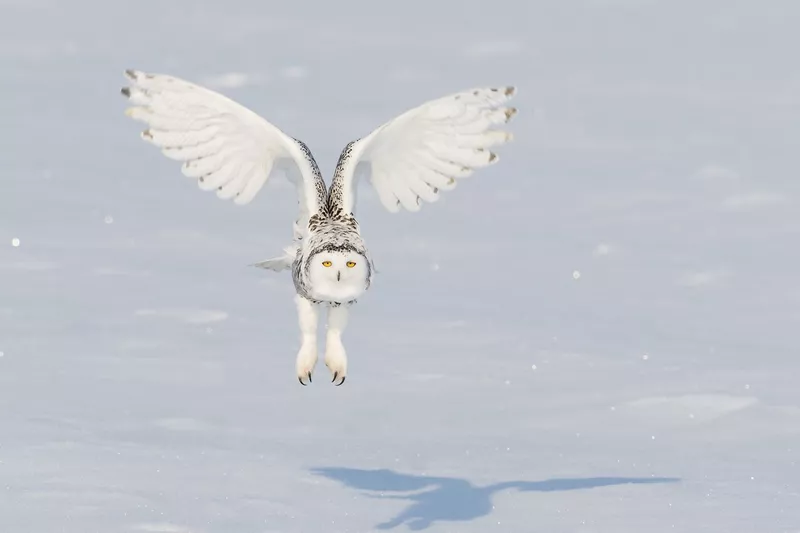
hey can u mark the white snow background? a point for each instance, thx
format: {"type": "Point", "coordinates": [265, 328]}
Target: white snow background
{"type": "Point", "coordinates": [598, 334]}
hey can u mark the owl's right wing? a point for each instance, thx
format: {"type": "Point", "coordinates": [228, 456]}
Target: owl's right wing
{"type": "Point", "coordinates": [413, 157]}
{"type": "Point", "coordinates": [225, 146]}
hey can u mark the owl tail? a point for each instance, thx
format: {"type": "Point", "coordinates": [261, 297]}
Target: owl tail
{"type": "Point", "coordinates": [277, 264]}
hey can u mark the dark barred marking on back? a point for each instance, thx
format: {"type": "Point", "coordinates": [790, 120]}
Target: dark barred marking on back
{"type": "Point", "coordinates": [319, 182]}
{"type": "Point", "coordinates": [336, 193]}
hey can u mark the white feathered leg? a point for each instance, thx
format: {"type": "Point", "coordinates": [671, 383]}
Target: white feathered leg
{"type": "Point", "coordinates": [307, 314]}
{"type": "Point", "coordinates": [335, 356]}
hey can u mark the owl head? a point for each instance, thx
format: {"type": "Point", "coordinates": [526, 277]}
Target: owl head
{"type": "Point", "coordinates": [339, 275]}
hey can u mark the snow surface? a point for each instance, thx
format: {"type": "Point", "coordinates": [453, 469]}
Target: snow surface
{"type": "Point", "coordinates": [147, 374]}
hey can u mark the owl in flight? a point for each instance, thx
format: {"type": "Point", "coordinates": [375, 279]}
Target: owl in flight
{"type": "Point", "coordinates": [409, 160]}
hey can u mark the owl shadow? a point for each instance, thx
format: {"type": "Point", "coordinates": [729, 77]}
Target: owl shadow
{"type": "Point", "coordinates": [445, 499]}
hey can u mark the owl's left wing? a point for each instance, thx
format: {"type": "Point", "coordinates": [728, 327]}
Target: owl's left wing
{"type": "Point", "coordinates": [418, 154]}
{"type": "Point", "coordinates": [222, 144]}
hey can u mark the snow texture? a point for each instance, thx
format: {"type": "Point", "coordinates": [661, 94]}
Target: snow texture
{"type": "Point", "coordinates": [147, 379]}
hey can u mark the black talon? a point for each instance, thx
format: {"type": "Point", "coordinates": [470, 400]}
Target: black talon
{"type": "Point", "coordinates": [335, 374]}
{"type": "Point", "coordinates": [340, 384]}
{"type": "Point", "coordinates": [301, 381]}
{"type": "Point", "coordinates": [309, 377]}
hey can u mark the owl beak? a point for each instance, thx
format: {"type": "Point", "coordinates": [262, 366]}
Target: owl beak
{"type": "Point", "coordinates": [338, 275]}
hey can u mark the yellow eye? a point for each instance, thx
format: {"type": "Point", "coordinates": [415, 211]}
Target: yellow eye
{"type": "Point", "coordinates": [326, 263]}
{"type": "Point", "coordinates": [351, 264]}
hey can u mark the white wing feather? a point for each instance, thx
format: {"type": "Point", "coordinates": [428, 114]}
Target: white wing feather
{"type": "Point", "coordinates": [416, 155]}
{"type": "Point", "coordinates": [225, 146]}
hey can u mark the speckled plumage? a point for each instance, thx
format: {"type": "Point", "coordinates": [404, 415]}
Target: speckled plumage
{"type": "Point", "coordinates": [409, 160]}
{"type": "Point", "coordinates": [335, 232]}
{"type": "Point", "coordinates": [329, 229]}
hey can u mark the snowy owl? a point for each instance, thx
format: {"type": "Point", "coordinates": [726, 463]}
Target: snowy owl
{"type": "Point", "coordinates": [409, 160]}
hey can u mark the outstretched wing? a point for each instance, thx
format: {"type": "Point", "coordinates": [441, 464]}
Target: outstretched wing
{"type": "Point", "coordinates": [414, 156]}
{"type": "Point", "coordinates": [225, 146]}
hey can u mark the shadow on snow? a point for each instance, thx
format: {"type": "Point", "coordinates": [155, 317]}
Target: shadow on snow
{"type": "Point", "coordinates": [454, 499]}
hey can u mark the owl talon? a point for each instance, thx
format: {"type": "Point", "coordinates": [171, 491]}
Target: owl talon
{"type": "Point", "coordinates": [301, 381]}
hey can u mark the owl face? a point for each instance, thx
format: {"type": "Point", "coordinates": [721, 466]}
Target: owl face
{"type": "Point", "coordinates": [338, 276]}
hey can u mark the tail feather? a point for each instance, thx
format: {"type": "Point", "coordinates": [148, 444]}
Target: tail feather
{"type": "Point", "coordinates": [278, 264]}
